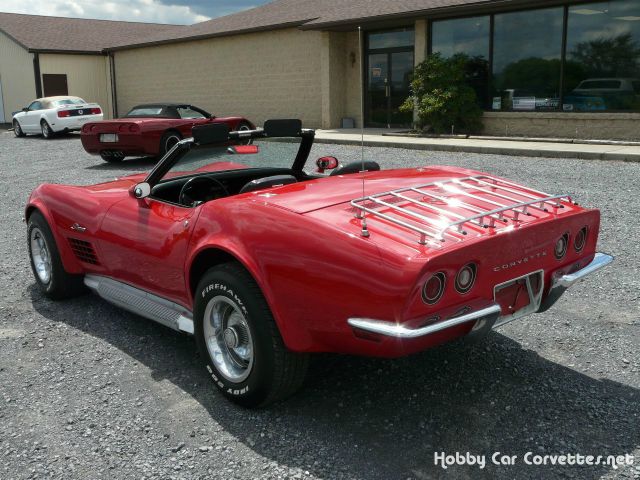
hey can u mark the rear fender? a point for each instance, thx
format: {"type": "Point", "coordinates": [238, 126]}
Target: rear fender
{"type": "Point", "coordinates": [294, 336]}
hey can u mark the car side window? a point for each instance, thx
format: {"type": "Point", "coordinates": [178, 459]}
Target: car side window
{"type": "Point", "coordinates": [35, 106]}
{"type": "Point", "coordinates": [189, 113]}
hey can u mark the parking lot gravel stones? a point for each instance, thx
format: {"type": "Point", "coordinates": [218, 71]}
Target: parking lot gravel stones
{"type": "Point", "coordinates": [88, 391]}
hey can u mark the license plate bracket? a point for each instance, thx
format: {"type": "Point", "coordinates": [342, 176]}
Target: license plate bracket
{"type": "Point", "coordinates": [108, 137]}
{"type": "Point", "coordinates": [532, 285]}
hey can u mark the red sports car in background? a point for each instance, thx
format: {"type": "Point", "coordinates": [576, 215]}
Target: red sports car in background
{"type": "Point", "coordinates": [265, 261]}
{"type": "Point", "coordinates": [150, 130]}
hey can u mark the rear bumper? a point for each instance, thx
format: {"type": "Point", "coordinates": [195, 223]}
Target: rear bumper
{"type": "Point", "coordinates": [561, 282]}
{"type": "Point", "coordinates": [487, 316]}
{"type": "Point", "coordinates": [129, 145]}
{"type": "Point", "coordinates": [73, 124]}
{"type": "Point", "coordinates": [491, 313]}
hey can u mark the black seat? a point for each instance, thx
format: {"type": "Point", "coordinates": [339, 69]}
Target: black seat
{"type": "Point", "coordinates": [356, 167]}
{"type": "Point", "coordinates": [267, 182]}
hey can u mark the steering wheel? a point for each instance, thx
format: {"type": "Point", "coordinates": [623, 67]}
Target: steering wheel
{"type": "Point", "coordinates": [198, 190]}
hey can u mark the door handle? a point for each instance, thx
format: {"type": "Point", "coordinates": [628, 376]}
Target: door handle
{"type": "Point", "coordinates": [388, 91]}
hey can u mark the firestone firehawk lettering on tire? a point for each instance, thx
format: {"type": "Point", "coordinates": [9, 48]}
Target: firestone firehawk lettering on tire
{"type": "Point", "coordinates": [234, 239]}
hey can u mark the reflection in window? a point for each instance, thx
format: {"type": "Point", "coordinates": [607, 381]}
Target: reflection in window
{"type": "Point", "coordinates": [527, 60]}
{"type": "Point", "coordinates": [393, 39]}
{"type": "Point", "coordinates": [471, 37]}
{"type": "Point", "coordinates": [602, 70]}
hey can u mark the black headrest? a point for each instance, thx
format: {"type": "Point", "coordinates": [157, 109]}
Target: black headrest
{"type": "Point", "coordinates": [267, 182]}
{"type": "Point", "coordinates": [210, 133]}
{"type": "Point", "coordinates": [283, 127]}
{"type": "Point", "coordinates": [356, 167]}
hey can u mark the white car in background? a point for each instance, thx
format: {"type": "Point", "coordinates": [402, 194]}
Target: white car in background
{"type": "Point", "coordinates": [51, 115]}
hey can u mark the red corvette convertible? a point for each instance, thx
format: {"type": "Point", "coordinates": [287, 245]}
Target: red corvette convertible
{"type": "Point", "coordinates": [150, 130]}
{"type": "Point", "coordinates": [265, 261]}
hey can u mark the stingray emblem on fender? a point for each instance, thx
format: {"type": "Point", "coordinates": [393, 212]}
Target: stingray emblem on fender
{"type": "Point", "coordinates": [520, 261]}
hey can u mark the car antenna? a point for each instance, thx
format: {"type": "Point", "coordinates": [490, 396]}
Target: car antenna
{"type": "Point", "coordinates": [365, 230]}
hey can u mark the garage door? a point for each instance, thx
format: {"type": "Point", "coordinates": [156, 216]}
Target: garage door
{"type": "Point", "coordinates": [54, 84]}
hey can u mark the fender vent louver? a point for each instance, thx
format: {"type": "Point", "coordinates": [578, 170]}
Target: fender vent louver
{"type": "Point", "coordinates": [84, 251]}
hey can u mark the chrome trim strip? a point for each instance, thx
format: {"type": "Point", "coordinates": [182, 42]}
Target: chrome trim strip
{"type": "Point", "coordinates": [433, 230]}
{"type": "Point", "coordinates": [600, 261]}
{"type": "Point", "coordinates": [141, 303]}
{"type": "Point", "coordinates": [400, 331]}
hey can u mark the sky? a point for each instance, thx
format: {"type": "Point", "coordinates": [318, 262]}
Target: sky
{"type": "Point", "coordinates": [156, 11]}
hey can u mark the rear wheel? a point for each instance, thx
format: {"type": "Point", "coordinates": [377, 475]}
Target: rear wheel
{"type": "Point", "coordinates": [240, 341]}
{"type": "Point", "coordinates": [168, 141]}
{"type": "Point", "coordinates": [46, 129]}
{"type": "Point", "coordinates": [46, 264]}
{"type": "Point", "coordinates": [245, 127]}
{"type": "Point", "coordinates": [17, 129]}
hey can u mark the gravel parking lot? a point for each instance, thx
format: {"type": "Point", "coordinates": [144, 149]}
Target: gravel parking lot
{"type": "Point", "coordinates": [90, 391]}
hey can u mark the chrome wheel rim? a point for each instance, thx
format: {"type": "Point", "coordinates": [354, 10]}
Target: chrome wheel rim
{"type": "Point", "coordinates": [170, 143]}
{"type": "Point", "coordinates": [16, 128]}
{"type": "Point", "coordinates": [228, 338]}
{"type": "Point", "coordinates": [45, 130]}
{"type": "Point", "coordinates": [40, 256]}
{"type": "Point", "coordinates": [245, 128]}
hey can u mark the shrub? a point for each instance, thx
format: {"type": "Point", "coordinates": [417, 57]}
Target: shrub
{"type": "Point", "coordinates": [443, 97]}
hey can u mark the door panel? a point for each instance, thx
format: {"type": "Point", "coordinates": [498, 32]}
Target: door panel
{"type": "Point", "coordinates": [388, 86]}
{"type": "Point", "coordinates": [401, 72]}
{"type": "Point", "coordinates": [144, 243]}
{"type": "Point", "coordinates": [30, 121]}
{"type": "Point", "coordinates": [377, 88]}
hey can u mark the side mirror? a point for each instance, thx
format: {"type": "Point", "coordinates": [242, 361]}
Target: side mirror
{"type": "Point", "coordinates": [25, 109]}
{"type": "Point", "coordinates": [141, 190]}
{"type": "Point", "coordinates": [327, 163]}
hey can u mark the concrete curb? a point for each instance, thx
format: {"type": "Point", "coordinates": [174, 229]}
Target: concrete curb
{"type": "Point", "coordinates": [489, 149]}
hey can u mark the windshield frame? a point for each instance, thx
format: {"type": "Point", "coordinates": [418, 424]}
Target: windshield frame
{"type": "Point", "coordinates": [183, 147]}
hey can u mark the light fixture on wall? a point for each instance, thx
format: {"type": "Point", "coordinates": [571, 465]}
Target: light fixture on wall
{"type": "Point", "coordinates": [352, 57]}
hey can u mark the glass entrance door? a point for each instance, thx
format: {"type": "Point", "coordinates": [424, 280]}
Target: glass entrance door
{"type": "Point", "coordinates": [388, 76]}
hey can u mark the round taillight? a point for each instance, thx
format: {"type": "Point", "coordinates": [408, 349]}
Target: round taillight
{"type": "Point", "coordinates": [433, 288]}
{"type": "Point", "coordinates": [466, 278]}
{"type": "Point", "coordinates": [581, 240]}
{"type": "Point", "coordinates": [560, 249]}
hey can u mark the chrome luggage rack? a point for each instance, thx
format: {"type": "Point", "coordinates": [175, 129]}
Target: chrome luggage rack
{"type": "Point", "coordinates": [464, 198]}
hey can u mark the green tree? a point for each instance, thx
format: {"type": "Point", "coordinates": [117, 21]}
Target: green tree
{"type": "Point", "coordinates": [442, 95]}
{"type": "Point", "coordinates": [609, 57]}
{"type": "Point", "coordinates": [536, 75]}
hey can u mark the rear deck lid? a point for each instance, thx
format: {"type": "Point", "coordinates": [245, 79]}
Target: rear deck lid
{"type": "Point", "coordinates": [434, 207]}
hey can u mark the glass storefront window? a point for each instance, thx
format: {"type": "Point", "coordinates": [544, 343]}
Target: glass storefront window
{"type": "Point", "coordinates": [470, 37]}
{"type": "Point", "coordinates": [602, 69]}
{"type": "Point", "coordinates": [392, 39]}
{"type": "Point", "coordinates": [527, 60]}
